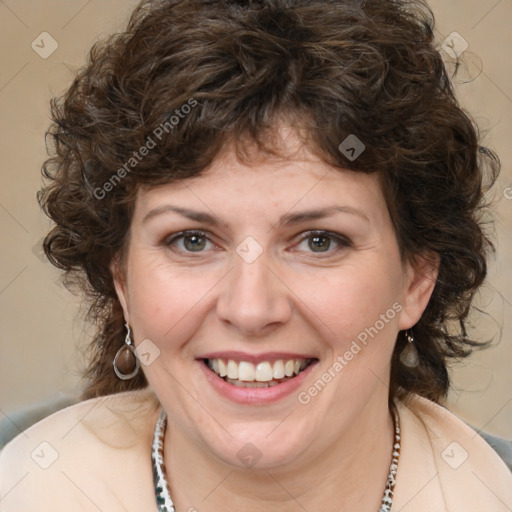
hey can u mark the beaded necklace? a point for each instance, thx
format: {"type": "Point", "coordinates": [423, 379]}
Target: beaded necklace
{"type": "Point", "coordinates": [163, 496]}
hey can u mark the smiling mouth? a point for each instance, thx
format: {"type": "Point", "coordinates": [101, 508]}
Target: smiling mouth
{"type": "Point", "coordinates": [262, 375]}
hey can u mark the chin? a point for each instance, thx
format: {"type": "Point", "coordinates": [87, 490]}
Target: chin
{"type": "Point", "coordinates": [258, 446]}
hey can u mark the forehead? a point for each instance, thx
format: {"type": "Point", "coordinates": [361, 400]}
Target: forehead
{"type": "Point", "coordinates": [268, 183]}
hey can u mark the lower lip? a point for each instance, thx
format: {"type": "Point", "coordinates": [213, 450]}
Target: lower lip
{"type": "Point", "coordinates": [255, 395]}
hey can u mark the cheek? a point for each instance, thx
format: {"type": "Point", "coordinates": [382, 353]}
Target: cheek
{"type": "Point", "coordinates": [164, 301]}
{"type": "Point", "coordinates": [350, 301]}
{"type": "Point", "coordinates": [358, 315]}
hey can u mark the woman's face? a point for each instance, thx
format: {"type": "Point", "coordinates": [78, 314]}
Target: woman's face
{"type": "Point", "coordinates": [246, 268]}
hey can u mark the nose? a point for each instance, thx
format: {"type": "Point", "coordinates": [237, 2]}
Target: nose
{"type": "Point", "coordinates": [254, 297]}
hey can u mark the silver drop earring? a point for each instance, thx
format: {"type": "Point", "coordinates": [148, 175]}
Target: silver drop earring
{"type": "Point", "coordinates": [126, 363]}
{"type": "Point", "coordinates": [409, 356]}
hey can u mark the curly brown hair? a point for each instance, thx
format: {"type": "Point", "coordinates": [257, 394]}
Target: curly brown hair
{"type": "Point", "coordinates": [331, 68]}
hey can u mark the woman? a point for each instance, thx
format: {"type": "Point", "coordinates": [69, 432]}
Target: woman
{"type": "Point", "coordinates": [274, 209]}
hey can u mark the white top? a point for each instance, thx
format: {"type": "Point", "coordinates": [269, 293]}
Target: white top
{"type": "Point", "coordinates": [96, 455]}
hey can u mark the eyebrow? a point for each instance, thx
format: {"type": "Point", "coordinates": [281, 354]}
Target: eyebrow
{"type": "Point", "coordinates": [286, 220]}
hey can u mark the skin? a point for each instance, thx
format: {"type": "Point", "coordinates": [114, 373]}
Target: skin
{"type": "Point", "coordinates": [292, 298]}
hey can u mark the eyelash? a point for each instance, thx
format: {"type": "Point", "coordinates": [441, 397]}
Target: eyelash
{"type": "Point", "coordinates": [342, 241]}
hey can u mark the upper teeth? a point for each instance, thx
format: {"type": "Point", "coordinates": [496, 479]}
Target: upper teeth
{"type": "Point", "coordinates": [264, 371]}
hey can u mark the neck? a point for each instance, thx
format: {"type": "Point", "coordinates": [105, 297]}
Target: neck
{"type": "Point", "coordinates": [350, 475]}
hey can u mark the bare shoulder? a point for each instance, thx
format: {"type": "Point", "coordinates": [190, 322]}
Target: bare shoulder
{"type": "Point", "coordinates": [76, 455]}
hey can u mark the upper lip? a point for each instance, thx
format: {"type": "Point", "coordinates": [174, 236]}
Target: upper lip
{"type": "Point", "coordinates": [255, 358]}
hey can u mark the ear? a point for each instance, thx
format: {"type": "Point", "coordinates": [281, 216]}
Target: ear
{"type": "Point", "coordinates": [119, 278]}
{"type": "Point", "coordinates": [418, 287]}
